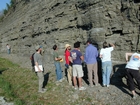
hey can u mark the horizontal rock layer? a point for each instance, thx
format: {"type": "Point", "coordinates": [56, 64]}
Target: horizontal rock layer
{"type": "Point", "coordinates": [49, 22]}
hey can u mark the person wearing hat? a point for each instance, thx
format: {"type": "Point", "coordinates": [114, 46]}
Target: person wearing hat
{"type": "Point", "coordinates": [68, 63]}
{"type": "Point", "coordinates": [91, 54]}
{"type": "Point", "coordinates": [39, 68]}
{"type": "Point", "coordinates": [132, 71]}
{"type": "Point", "coordinates": [57, 60]}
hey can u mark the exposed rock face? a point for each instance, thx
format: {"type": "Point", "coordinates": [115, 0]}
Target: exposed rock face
{"type": "Point", "coordinates": [49, 22]}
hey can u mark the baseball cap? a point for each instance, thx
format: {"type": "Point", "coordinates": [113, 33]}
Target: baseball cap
{"type": "Point", "coordinates": [37, 47]}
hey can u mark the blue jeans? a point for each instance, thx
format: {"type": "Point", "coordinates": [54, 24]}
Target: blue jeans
{"type": "Point", "coordinates": [8, 51]}
{"type": "Point", "coordinates": [107, 68]}
{"type": "Point", "coordinates": [58, 71]}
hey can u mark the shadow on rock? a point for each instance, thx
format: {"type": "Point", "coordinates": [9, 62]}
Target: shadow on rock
{"type": "Point", "coordinates": [119, 78]}
{"type": "Point", "coordinates": [46, 78]}
{"type": "Point", "coordinates": [85, 77]}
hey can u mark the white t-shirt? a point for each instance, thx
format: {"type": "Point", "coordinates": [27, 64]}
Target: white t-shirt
{"type": "Point", "coordinates": [132, 64]}
{"type": "Point", "coordinates": [106, 54]}
{"type": "Point", "coordinates": [8, 47]}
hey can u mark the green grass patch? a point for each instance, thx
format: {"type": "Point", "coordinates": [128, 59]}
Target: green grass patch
{"type": "Point", "coordinates": [20, 86]}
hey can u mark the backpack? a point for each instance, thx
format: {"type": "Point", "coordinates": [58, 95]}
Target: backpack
{"type": "Point", "coordinates": [32, 60]}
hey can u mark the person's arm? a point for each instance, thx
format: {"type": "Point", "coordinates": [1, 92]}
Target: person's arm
{"type": "Point", "coordinates": [101, 56]}
{"type": "Point", "coordinates": [85, 56]}
{"type": "Point", "coordinates": [36, 63]}
{"type": "Point", "coordinates": [112, 45]}
{"type": "Point", "coordinates": [101, 53]}
{"type": "Point", "coordinates": [127, 55]}
{"type": "Point", "coordinates": [58, 58]}
{"type": "Point", "coordinates": [82, 58]}
{"type": "Point", "coordinates": [70, 59]}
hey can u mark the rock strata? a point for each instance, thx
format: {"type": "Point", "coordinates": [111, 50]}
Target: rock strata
{"type": "Point", "coordinates": [49, 22]}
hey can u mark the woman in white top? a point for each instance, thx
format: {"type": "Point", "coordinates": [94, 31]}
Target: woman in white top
{"type": "Point", "coordinates": [132, 71]}
{"type": "Point", "coordinates": [105, 55]}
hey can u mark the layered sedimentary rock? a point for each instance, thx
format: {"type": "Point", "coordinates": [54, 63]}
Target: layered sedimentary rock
{"type": "Point", "coordinates": [49, 22]}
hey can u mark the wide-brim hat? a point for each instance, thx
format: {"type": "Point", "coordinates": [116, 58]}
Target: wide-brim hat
{"type": "Point", "coordinates": [67, 45]}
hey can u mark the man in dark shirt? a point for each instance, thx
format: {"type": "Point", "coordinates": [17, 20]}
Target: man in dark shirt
{"type": "Point", "coordinates": [76, 57]}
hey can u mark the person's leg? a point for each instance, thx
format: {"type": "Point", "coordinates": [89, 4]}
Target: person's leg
{"type": "Point", "coordinates": [60, 71]}
{"type": "Point", "coordinates": [58, 74]}
{"type": "Point", "coordinates": [74, 73]}
{"type": "Point", "coordinates": [80, 82]}
{"type": "Point", "coordinates": [104, 73]}
{"type": "Point", "coordinates": [130, 80]}
{"type": "Point", "coordinates": [80, 75]}
{"type": "Point", "coordinates": [69, 75]}
{"type": "Point", "coordinates": [40, 80]}
{"type": "Point", "coordinates": [74, 81]}
{"type": "Point", "coordinates": [95, 69]}
{"type": "Point", "coordinates": [90, 74]}
{"type": "Point", "coordinates": [9, 51]}
{"type": "Point", "coordinates": [136, 76]}
{"type": "Point", "coordinates": [108, 72]}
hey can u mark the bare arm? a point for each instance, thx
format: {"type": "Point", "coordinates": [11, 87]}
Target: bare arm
{"type": "Point", "coordinates": [100, 56]}
{"type": "Point", "coordinates": [58, 59]}
{"type": "Point", "coordinates": [127, 55]}
{"type": "Point", "coordinates": [70, 59]}
{"type": "Point", "coordinates": [112, 45]}
{"type": "Point", "coordinates": [82, 58]}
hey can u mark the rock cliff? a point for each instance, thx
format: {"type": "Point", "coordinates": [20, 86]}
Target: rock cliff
{"type": "Point", "coordinates": [49, 22]}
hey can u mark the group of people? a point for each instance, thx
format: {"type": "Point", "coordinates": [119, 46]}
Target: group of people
{"type": "Point", "coordinates": [73, 63]}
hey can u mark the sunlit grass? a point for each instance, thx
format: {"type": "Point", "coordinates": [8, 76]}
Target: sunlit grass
{"type": "Point", "coordinates": [20, 85]}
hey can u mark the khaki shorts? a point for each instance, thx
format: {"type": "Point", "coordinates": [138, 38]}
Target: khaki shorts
{"type": "Point", "coordinates": [77, 71]}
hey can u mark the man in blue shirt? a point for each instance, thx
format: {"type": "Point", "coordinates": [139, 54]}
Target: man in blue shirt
{"type": "Point", "coordinates": [91, 54]}
{"type": "Point", "coordinates": [76, 59]}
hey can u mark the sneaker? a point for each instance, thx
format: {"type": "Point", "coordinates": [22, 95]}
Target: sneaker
{"type": "Point", "coordinates": [44, 89]}
{"type": "Point", "coordinates": [41, 91]}
{"type": "Point", "coordinates": [107, 85]}
{"type": "Point", "coordinates": [134, 96]}
{"type": "Point", "coordinates": [97, 84]}
{"type": "Point", "coordinates": [91, 86]}
{"type": "Point", "coordinates": [104, 85]}
{"type": "Point", "coordinates": [75, 88]}
{"type": "Point", "coordinates": [62, 78]}
{"type": "Point", "coordinates": [57, 81]}
{"type": "Point", "coordinates": [82, 88]}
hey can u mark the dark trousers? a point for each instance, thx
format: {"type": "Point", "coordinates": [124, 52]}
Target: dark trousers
{"type": "Point", "coordinates": [133, 74]}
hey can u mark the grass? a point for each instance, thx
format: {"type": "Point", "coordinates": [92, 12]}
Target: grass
{"type": "Point", "coordinates": [20, 85]}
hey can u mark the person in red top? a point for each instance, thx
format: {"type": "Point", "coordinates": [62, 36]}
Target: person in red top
{"type": "Point", "coordinates": [68, 63]}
